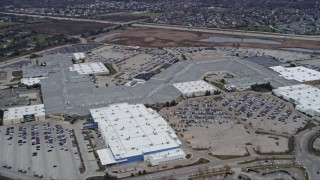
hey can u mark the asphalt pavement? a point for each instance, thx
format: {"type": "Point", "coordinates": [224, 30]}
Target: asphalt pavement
{"type": "Point", "coordinates": [310, 161]}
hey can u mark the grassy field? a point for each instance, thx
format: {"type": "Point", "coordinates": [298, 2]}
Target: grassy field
{"type": "Point", "coordinates": [307, 126]}
{"type": "Point", "coordinates": [2, 59]}
{"type": "Point", "coordinates": [149, 14]}
{"type": "Point", "coordinates": [255, 160]}
{"type": "Point", "coordinates": [95, 178]}
{"type": "Point", "coordinates": [4, 178]}
{"type": "Point", "coordinates": [218, 9]}
{"type": "Point", "coordinates": [110, 68]}
{"type": "Point", "coordinates": [6, 24]}
{"type": "Point", "coordinates": [41, 38]}
{"type": "Point", "coordinates": [188, 156]}
{"type": "Point", "coordinates": [226, 157]}
{"type": "Point", "coordinates": [201, 161]}
{"type": "Point", "coordinates": [261, 29]}
{"type": "Point", "coordinates": [17, 73]}
{"type": "Point", "coordinates": [218, 85]}
{"type": "Point", "coordinates": [66, 27]}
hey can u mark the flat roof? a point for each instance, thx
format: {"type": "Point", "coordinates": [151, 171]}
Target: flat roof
{"type": "Point", "coordinates": [106, 157]}
{"type": "Point", "coordinates": [306, 97]}
{"type": "Point", "coordinates": [90, 68]}
{"type": "Point", "coordinates": [31, 81]}
{"type": "Point", "coordinates": [194, 87]}
{"type": "Point", "coordinates": [19, 112]}
{"type": "Point", "coordinates": [299, 73]}
{"type": "Point", "coordinates": [79, 55]}
{"type": "Point", "coordinates": [132, 130]}
{"type": "Point", "coordinates": [170, 153]}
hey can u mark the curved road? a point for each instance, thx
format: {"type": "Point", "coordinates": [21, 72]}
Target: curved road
{"type": "Point", "coordinates": [310, 161]}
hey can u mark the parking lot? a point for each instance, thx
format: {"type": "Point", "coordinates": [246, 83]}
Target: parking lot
{"type": "Point", "coordinates": [17, 65]}
{"type": "Point", "coordinates": [131, 61]}
{"type": "Point", "coordinates": [265, 112]}
{"type": "Point", "coordinates": [206, 125]}
{"type": "Point", "coordinates": [44, 149]}
{"type": "Point", "coordinates": [201, 113]}
{"type": "Point", "coordinates": [73, 48]}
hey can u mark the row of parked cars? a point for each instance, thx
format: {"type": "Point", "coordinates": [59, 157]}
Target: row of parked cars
{"type": "Point", "coordinates": [48, 135]}
{"type": "Point", "coordinates": [35, 139]}
{"type": "Point", "coordinates": [22, 135]}
{"type": "Point", "coordinates": [62, 141]}
{"type": "Point", "coordinates": [73, 138]}
{"type": "Point", "coordinates": [9, 132]}
{"type": "Point", "coordinates": [86, 140]}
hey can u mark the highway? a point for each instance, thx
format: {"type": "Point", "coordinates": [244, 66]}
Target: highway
{"type": "Point", "coordinates": [76, 19]}
{"type": "Point", "coordinates": [62, 18]}
{"type": "Point", "coordinates": [139, 23]}
{"type": "Point", "coordinates": [229, 32]}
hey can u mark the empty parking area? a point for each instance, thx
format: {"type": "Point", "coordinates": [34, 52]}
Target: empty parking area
{"type": "Point", "coordinates": [44, 149]}
{"type": "Point", "coordinates": [206, 125]}
{"type": "Point", "coordinates": [265, 112]}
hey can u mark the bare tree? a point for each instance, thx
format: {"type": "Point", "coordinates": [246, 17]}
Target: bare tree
{"type": "Point", "coordinates": [227, 167]}
{"type": "Point", "coordinates": [200, 170]}
{"type": "Point", "coordinates": [206, 169]}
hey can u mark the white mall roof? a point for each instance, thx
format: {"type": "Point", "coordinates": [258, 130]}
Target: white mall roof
{"type": "Point", "coordinates": [31, 81]}
{"type": "Point", "coordinates": [170, 153]}
{"type": "Point", "coordinates": [306, 97]}
{"type": "Point", "coordinates": [194, 87]}
{"type": "Point", "coordinates": [131, 130]}
{"type": "Point", "coordinates": [298, 73]}
{"type": "Point", "coordinates": [18, 112]}
{"type": "Point", "coordinates": [106, 157]}
{"type": "Point", "coordinates": [79, 56]}
{"type": "Point", "coordinates": [90, 68]}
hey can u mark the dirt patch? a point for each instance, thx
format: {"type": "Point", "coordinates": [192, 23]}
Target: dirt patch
{"type": "Point", "coordinates": [150, 37]}
{"type": "Point", "coordinates": [161, 34]}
